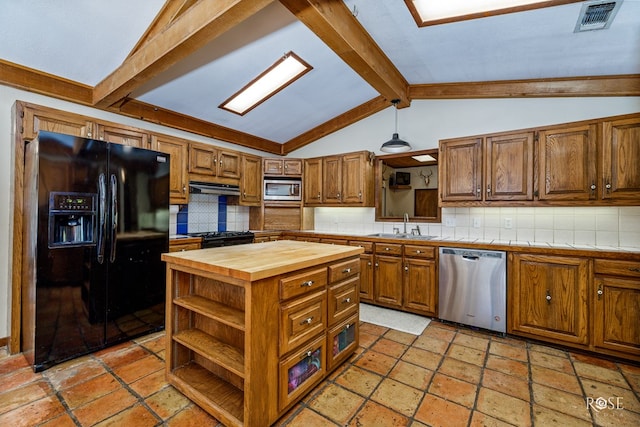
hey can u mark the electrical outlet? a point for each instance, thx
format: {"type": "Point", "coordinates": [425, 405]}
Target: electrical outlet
{"type": "Point", "coordinates": [450, 222]}
{"type": "Point", "coordinates": [476, 222]}
{"type": "Point", "coordinates": [508, 223]}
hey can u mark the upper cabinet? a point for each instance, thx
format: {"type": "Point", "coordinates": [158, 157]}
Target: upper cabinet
{"type": "Point", "coordinates": [251, 181]}
{"type": "Point", "coordinates": [282, 167]}
{"type": "Point", "coordinates": [340, 180]}
{"type": "Point", "coordinates": [123, 135]}
{"type": "Point", "coordinates": [207, 161]}
{"type": "Point", "coordinates": [177, 149]}
{"type": "Point", "coordinates": [36, 118]}
{"type": "Point", "coordinates": [592, 162]}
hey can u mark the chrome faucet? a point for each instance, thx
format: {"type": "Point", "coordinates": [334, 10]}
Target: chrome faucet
{"type": "Point", "coordinates": [406, 219]}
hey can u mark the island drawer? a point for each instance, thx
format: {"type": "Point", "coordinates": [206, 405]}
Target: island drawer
{"type": "Point", "coordinates": [388, 249]}
{"type": "Point", "coordinates": [343, 299]}
{"type": "Point", "coordinates": [617, 268]}
{"type": "Point", "coordinates": [302, 283]}
{"type": "Point", "coordinates": [302, 370]}
{"type": "Point", "coordinates": [343, 270]}
{"type": "Point", "coordinates": [302, 319]}
{"type": "Point", "coordinates": [416, 251]}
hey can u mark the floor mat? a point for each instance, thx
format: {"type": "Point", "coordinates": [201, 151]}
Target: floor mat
{"type": "Point", "coordinates": [398, 320]}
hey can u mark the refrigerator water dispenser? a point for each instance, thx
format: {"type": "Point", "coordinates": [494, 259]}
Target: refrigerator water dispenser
{"type": "Point", "coordinates": [71, 219]}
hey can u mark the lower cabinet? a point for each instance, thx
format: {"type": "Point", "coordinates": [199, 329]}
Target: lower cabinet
{"type": "Point", "coordinates": [387, 276]}
{"type": "Point", "coordinates": [548, 297]}
{"type": "Point", "coordinates": [299, 372]}
{"type": "Point", "coordinates": [366, 270]}
{"type": "Point", "coordinates": [420, 280]}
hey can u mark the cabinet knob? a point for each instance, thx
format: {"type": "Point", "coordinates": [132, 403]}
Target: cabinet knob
{"type": "Point", "coordinates": [406, 268]}
{"type": "Point", "coordinates": [607, 186]}
{"type": "Point", "coordinates": [636, 269]}
{"type": "Point", "coordinates": [347, 270]}
{"type": "Point", "coordinates": [488, 189]}
{"type": "Point", "coordinates": [548, 297]}
{"type": "Point", "coordinates": [387, 249]}
{"type": "Point", "coordinates": [308, 283]}
{"type": "Point", "coordinates": [369, 263]}
{"type": "Point", "coordinates": [600, 291]}
{"type": "Point", "coordinates": [347, 300]}
{"type": "Point", "coordinates": [184, 189]}
{"type": "Point", "coordinates": [418, 251]}
{"type": "Point", "coordinates": [338, 195]}
{"type": "Point", "coordinates": [318, 195]}
{"type": "Point", "coordinates": [593, 187]}
{"type": "Point", "coordinates": [307, 321]}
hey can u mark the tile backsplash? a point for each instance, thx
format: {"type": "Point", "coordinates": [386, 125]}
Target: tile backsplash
{"type": "Point", "coordinates": [207, 212]}
{"type": "Point", "coordinates": [601, 226]}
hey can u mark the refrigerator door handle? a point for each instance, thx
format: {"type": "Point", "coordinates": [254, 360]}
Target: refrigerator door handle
{"type": "Point", "coordinates": [114, 216]}
{"type": "Point", "coordinates": [102, 212]}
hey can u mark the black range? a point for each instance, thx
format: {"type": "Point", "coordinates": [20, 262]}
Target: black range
{"type": "Point", "coordinates": [215, 239]}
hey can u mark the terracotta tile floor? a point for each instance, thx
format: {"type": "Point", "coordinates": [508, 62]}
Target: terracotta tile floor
{"type": "Point", "coordinates": [448, 376]}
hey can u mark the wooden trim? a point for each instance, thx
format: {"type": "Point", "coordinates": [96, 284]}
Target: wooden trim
{"type": "Point", "coordinates": [197, 26]}
{"type": "Point", "coordinates": [620, 85]}
{"type": "Point", "coordinates": [4, 341]}
{"type": "Point", "coordinates": [336, 26]}
{"type": "Point", "coordinates": [355, 114]}
{"type": "Point", "coordinates": [150, 113]}
{"type": "Point", "coordinates": [31, 80]}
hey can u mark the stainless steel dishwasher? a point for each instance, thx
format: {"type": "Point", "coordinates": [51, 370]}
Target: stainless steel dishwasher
{"type": "Point", "coordinates": [472, 288]}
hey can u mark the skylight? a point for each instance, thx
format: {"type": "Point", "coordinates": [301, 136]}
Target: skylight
{"type": "Point", "coordinates": [281, 74]}
{"type": "Point", "coordinates": [432, 12]}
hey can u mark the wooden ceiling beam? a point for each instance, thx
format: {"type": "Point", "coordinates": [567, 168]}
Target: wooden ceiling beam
{"type": "Point", "coordinates": [31, 80]}
{"type": "Point", "coordinates": [153, 114]}
{"type": "Point", "coordinates": [620, 85]}
{"type": "Point", "coordinates": [193, 29]}
{"type": "Point", "coordinates": [336, 26]}
{"type": "Point", "coordinates": [355, 114]}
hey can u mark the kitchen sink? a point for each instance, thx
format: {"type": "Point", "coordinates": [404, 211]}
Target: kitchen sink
{"type": "Point", "coordinates": [402, 236]}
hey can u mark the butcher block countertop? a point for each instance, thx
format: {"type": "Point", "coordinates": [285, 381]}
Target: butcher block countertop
{"type": "Point", "coordinates": [257, 261]}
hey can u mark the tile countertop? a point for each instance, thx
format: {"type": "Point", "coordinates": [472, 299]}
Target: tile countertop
{"type": "Point", "coordinates": [507, 245]}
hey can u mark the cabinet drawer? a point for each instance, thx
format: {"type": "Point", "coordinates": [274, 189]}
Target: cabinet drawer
{"type": "Point", "coordinates": [343, 300]}
{"type": "Point", "coordinates": [415, 251]}
{"type": "Point", "coordinates": [183, 247]}
{"type": "Point", "coordinates": [342, 341]}
{"type": "Point", "coordinates": [303, 283]}
{"type": "Point", "coordinates": [617, 268]}
{"type": "Point", "coordinates": [367, 246]}
{"type": "Point", "coordinates": [302, 370]}
{"type": "Point", "coordinates": [301, 320]}
{"type": "Point", "coordinates": [344, 269]}
{"type": "Point", "coordinates": [388, 249]}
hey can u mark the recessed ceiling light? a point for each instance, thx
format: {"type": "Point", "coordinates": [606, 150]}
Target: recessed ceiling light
{"type": "Point", "coordinates": [282, 73]}
{"type": "Point", "coordinates": [424, 158]}
{"type": "Point", "coordinates": [430, 12]}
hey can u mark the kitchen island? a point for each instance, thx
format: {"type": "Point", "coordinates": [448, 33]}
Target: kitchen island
{"type": "Point", "coordinates": [252, 328]}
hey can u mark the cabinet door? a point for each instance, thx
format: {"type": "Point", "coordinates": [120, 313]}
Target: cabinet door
{"type": "Point", "coordinates": [548, 297]}
{"type": "Point", "coordinates": [272, 167]}
{"type": "Point", "coordinates": [366, 277]}
{"type": "Point", "coordinates": [353, 179]}
{"type": "Point", "coordinates": [202, 160]}
{"type": "Point", "coordinates": [313, 181]}
{"type": "Point", "coordinates": [178, 152]}
{"type": "Point", "coordinates": [229, 164]}
{"type": "Point", "coordinates": [620, 160]}
{"type": "Point", "coordinates": [567, 164]}
{"type": "Point", "coordinates": [509, 167]}
{"type": "Point", "coordinates": [615, 314]}
{"type": "Point", "coordinates": [388, 280]}
{"type": "Point", "coordinates": [332, 179]}
{"type": "Point", "coordinates": [37, 119]}
{"type": "Point", "coordinates": [420, 286]}
{"type": "Point", "coordinates": [251, 181]}
{"type": "Point", "coordinates": [292, 167]}
{"type": "Point", "coordinates": [121, 135]}
{"type": "Point", "coordinates": [461, 170]}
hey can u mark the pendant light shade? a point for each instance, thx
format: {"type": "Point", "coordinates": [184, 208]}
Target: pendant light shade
{"type": "Point", "coordinates": [395, 144]}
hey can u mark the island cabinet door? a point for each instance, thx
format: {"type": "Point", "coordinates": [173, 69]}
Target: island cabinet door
{"type": "Point", "coordinates": [302, 370]}
{"type": "Point", "coordinates": [342, 341]}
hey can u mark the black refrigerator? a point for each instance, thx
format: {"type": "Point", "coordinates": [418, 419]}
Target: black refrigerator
{"type": "Point", "coordinates": [96, 220]}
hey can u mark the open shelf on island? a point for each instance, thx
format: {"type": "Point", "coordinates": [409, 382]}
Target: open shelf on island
{"type": "Point", "coordinates": [212, 309]}
{"type": "Point", "coordinates": [212, 349]}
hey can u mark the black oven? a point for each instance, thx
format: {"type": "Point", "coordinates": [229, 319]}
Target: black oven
{"type": "Point", "coordinates": [215, 239]}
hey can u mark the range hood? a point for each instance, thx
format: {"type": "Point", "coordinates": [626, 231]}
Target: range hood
{"type": "Point", "coordinates": [197, 187]}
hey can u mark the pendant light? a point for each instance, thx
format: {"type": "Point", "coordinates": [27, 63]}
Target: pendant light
{"type": "Point", "coordinates": [395, 144]}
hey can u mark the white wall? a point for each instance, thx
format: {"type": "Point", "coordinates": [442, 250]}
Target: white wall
{"type": "Point", "coordinates": [422, 124]}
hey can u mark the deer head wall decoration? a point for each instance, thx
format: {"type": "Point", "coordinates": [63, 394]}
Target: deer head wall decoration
{"type": "Point", "coordinates": [427, 178]}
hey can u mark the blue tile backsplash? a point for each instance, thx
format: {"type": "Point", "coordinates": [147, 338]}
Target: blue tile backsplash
{"type": "Point", "coordinates": [207, 212]}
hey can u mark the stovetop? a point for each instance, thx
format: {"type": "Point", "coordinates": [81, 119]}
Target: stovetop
{"type": "Point", "coordinates": [221, 234]}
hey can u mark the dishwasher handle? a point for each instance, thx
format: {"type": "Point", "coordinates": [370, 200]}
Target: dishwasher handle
{"type": "Point", "coordinates": [471, 257]}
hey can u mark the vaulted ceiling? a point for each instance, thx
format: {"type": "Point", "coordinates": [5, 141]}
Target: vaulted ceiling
{"type": "Point", "coordinates": [175, 62]}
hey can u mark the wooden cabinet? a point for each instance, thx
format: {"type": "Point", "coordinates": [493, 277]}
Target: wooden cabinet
{"type": "Point", "coordinates": [498, 167]}
{"type": "Point", "coordinates": [282, 167]}
{"type": "Point", "coordinates": [251, 181]}
{"type": "Point", "coordinates": [36, 118]}
{"type": "Point", "coordinates": [616, 307]}
{"type": "Point", "coordinates": [129, 136]}
{"type": "Point", "coordinates": [184, 244]}
{"type": "Point", "coordinates": [387, 278]}
{"type": "Point", "coordinates": [567, 163]}
{"type": "Point", "coordinates": [207, 161]}
{"type": "Point", "coordinates": [420, 281]}
{"type": "Point", "coordinates": [313, 182]}
{"type": "Point", "coordinates": [548, 297]}
{"type": "Point", "coordinates": [340, 180]}
{"type": "Point", "coordinates": [366, 269]}
{"type": "Point", "coordinates": [620, 160]}
{"type": "Point", "coordinates": [177, 149]}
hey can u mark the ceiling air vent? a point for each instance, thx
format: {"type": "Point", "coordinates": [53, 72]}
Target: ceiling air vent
{"type": "Point", "coordinates": [597, 15]}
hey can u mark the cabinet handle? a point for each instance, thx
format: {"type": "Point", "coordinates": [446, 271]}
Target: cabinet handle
{"type": "Point", "coordinates": [220, 162]}
{"type": "Point", "coordinates": [308, 283]}
{"type": "Point", "coordinates": [318, 195]}
{"type": "Point", "coordinates": [478, 191]}
{"type": "Point", "coordinates": [548, 297]}
{"type": "Point", "coordinates": [347, 270]}
{"type": "Point", "coordinates": [347, 300]}
{"type": "Point", "coordinates": [387, 249]}
{"type": "Point", "coordinates": [635, 269]}
{"type": "Point", "coordinates": [600, 292]}
{"type": "Point", "coordinates": [406, 268]}
{"type": "Point", "coordinates": [488, 188]}
{"type": "Point", "coordinates": [377, 264]}
{"type": "Point", "coordinates": [184, 189]}
{"type": "Point", "coordinates": [418, 251]}
{"type": "Point", "coordinates": [307, 321]}
{"type": "Point", "coordinates": [360, 195]}
{"type": "Point", "coordinates": [338, 196]}
{"type": "Point", "coordinates": [369, 263]}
